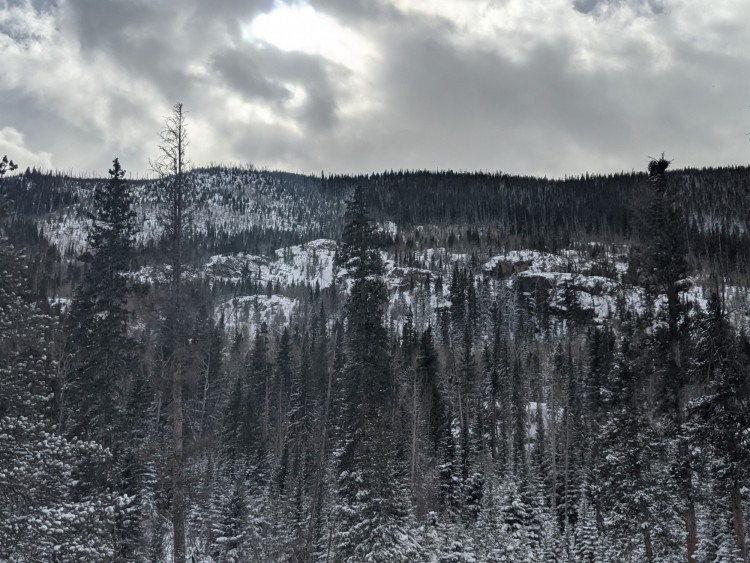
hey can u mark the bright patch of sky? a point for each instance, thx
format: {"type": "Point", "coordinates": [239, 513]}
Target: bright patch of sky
{"type": "Point", "coordinates": [299, 27]}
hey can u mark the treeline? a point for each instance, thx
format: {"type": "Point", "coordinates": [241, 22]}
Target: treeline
{"type": "Point", "coordinates": [458, 209]}
{"type": "Point", "coordinates": [548, 214]}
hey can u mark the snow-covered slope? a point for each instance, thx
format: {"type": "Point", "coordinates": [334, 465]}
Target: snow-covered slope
{"type": "Point", "coordinates": [224, 202]}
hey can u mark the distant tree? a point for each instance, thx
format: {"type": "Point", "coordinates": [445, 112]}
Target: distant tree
{"type": "Point", "coordinates": [357, 251]}
{"type": "Point", "coordinates": [7, 166]}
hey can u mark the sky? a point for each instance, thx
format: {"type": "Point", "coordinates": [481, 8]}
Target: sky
{"type": "Point", "coordinates": [542, 87]}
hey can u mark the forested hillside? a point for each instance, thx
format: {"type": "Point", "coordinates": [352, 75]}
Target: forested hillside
{"type": "Point", "coordinates": [231, 364]}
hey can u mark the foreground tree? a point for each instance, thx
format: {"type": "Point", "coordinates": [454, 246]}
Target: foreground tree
{"type": "Point", "coordinates": [46, 511]}
{"type": "Point", "coordinates": [722, 414]}
{"type": "Point", "coordinates": [665, 273]}
{"type": "Point", "coordinates": [103, 358]}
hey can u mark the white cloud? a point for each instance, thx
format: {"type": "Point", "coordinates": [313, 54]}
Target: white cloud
{"type": "Point", "coordinates": [49, 67]}
{"type": "Point", "coordinates": [12, 144]}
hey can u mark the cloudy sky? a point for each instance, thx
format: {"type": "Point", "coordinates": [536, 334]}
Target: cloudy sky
{"type": "Point", "coordinates": [547, 87]}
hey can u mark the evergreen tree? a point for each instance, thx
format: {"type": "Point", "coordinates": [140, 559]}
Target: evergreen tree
{"type": "Point", "coordinates": [234, 530]}
{"type": "Point", "coordinates": [375, 520]}
{"type": "Point", "coordinates": [635, 484]}
{"type": "Point", "coordinates": [45, 513]}
{"type": "Point", "coordinates": [722, 413]}
{"type": "Point", "coordinates": [7, 166]}
{"type": "Point", "coordinates": [667, 273]}
{"type": "Point", "coordinates": [104, 365]}
{"type": "Point", "coordinates": [103, 353]}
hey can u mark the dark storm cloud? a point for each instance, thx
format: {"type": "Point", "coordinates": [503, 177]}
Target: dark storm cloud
{"type": "Point", "coordinates": [644, 6]}
{"type": "Point", "coordinates": [359, 10]}
{"type": "Point", "coordinates": [154, 40]}
{"type": "Point", "coordinates": [242, 73]}
{"type": "Point", "coordinates": [475, 109]}
{"type": "Point", "coordinates": [311, 73]}
{"type": "Point", "coordinates": [261, 73]}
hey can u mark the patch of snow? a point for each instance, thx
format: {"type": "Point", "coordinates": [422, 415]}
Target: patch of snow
{"type": "Point", "coordinates": [62, 302]}
{"type": "Point", "coordinates": [388, 227]}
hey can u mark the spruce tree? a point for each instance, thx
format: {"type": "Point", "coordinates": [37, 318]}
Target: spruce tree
{"type": "Point", "coordinates": [375, 522]}
{"type": "Point", "coordinates": [103, 353]}
{"type": "Point", "coordinates": [721, 416]}
{"type": "Point", "coordinates": [666, 273]}
{"type": "Point", "coordinates": [104, 365]}
{"type": "Point", "coordinates": [45, 512]}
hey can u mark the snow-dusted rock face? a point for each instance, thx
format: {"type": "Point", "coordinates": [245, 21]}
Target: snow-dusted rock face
{"type": "Point", "coordinates": [248, 312]}
{"type": "Point", "coordinates": [308, 263]}
{"type": "Point", "coordinates": [518, 261]}
{"type": "Point", "coordinates": [562, 280]}
{"type": "Point", "coordinates": [558, 278]}
{"type": "Point", "coordinates": [403, 277]}
{"type": "Point", "coordinates": [311, 262]}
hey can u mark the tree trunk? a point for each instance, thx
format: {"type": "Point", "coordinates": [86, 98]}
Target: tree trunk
{"type": "Point", "coordinates": [266, 410]}
{"type": "Point", "coordinates": [493, 423]}
{"type": "Point", "coordinates": [171, 169]}
{"type": "Point", "coordinates": [692, 531]}
{"type": "Point", "coordinates": [553, 443]}
{"type": "Point", "coordinates": [204, 402]}
{"type": "Point", "coordinates": [178, 492]}
{"type": "Point", "coordinates": [280, 420]}
{"type": "Point", "coordinates": [738, 520]}
{"type": "Point", "coordinates": [691, 528]}
{"type": "Point", "coordinates": [647, 544]}
{"type": "Point", "coordinates": [413, 431]}
{"type": "Point", "coordinates": [317, 489]}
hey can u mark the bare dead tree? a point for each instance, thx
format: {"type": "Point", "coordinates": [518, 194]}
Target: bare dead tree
{"type": "Point", "coordinates": [172, 168]}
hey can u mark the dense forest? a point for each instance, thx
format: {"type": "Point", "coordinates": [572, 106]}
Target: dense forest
{"type": "Point", "coordinates": [231, 365]}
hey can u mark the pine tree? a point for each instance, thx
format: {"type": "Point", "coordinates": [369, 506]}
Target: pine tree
{"type": "Point", "coordinates": [233, 419]}
{"type": "Point", "coordinates": [375, 521]}
{"type": "Point", "coordinates": [233, 531]}
{"type": "Point", "coordinates": [666, 272]}
{"type": "Point", "coordinates": [256, 410]}
{"type": "Point", "coordinates": [722, 413]}
{"type": "Point", "coordinates": [44, 513]}
{"type": "Point", "coordinates": [104, 363]}
{"type": "Point", "coordinates": [7, 166]}
{"type": "Point", "coordinates": [103, 354]}
{"type": "Point", "coordinates": [587, 547]}
{"type": "Point", "coordinates": [635, 484]}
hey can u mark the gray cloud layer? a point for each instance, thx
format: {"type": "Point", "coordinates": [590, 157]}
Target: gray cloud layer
{"type": "Point", "coordinates": [545, 87]}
